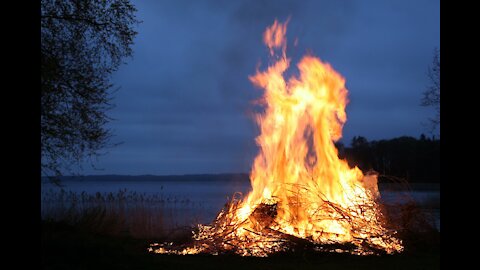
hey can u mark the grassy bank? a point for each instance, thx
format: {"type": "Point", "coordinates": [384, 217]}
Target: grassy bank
{"type": "Point", "coordinates": [72, 247]}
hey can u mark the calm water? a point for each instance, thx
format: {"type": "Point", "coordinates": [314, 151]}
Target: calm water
{"type": "Point", "coordinates": [200, 201]}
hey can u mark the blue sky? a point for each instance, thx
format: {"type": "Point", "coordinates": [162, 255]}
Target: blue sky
{"type": "Point", "coordinates": [185, 101]}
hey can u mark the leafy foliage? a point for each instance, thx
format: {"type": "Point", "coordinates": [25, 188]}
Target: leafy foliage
{"type": "Point", "coordinates": [82, 44]}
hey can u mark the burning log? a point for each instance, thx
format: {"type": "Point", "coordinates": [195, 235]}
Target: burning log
{"type": "Point", "coordinates": [264, 215]}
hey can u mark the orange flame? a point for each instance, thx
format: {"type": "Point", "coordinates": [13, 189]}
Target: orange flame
{"type": "Point", "coordinates": [303, 118]}
{"type": "Point", "coordinates": [298, 167]}
{"type": "Point", "coordinates": [274, 37]}
{"type": "Point", "coordinates": [300, 187]}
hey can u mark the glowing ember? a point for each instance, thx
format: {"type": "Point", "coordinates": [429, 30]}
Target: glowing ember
{"type": "Point", "coordinates": [303, 195]}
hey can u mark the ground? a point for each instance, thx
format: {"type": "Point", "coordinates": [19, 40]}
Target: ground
{"type": "Point", "coordinates": [68, 247]}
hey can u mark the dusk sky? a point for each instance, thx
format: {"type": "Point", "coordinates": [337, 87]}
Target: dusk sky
{"type": "Point", "coordinates": [185, 102]}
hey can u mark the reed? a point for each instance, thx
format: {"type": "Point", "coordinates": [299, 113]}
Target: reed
{"type": "Point", "coordinates": [139, 215]}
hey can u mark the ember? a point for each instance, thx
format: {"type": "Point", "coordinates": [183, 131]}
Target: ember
{"type": "Point", "coordinates": [303, 195]}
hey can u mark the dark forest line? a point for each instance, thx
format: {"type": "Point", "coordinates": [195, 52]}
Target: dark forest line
{"type": "Point", "coordinates": [399, 159]}
{"type": "Point", "coordinates": [408, 158]}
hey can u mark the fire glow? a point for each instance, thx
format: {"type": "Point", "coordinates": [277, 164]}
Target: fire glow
{"type": "Point", "coordinates": [302, 194]}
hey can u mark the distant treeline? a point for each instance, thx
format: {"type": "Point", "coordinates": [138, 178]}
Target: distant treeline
{"type": "Point", "coordinates": [414, 160]}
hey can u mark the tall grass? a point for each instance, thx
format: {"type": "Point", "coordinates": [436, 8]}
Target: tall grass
{"type": "Point", "coordinates": [139, 215]}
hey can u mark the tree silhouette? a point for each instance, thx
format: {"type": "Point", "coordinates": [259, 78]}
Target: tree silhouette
{"type": "Point", "coordinates": [415, 160]}
{"type": "Point", "coordinates": [360, 154]}
{"type": "Point", "coordinates": [82, 43]}
{"type": "Point", "coordinates": [431, 96]}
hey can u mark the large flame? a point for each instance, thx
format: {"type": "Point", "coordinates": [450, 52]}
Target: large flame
{"type": "Point", "coordinates": [303, 117]}
{"type": "Point", "coordinates": [300, 187]}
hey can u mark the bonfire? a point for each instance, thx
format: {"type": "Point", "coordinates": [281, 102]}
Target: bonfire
{"type": "Point", "coordinates": [303, 195]}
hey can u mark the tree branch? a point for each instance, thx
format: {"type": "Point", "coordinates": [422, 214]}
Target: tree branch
{"type": "Point", "coordinates": [73, 18]}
